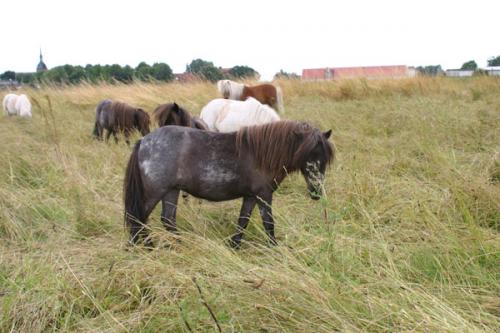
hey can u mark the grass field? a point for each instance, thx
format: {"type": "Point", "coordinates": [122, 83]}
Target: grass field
{"type": "Point", "coordinates": [407, 238]}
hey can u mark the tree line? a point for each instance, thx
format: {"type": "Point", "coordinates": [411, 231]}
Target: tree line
{"type": "Point", "coordinates": [69, 74]}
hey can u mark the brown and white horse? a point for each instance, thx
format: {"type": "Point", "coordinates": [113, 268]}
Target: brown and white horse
{"type": "Point", "coordinates": [265, 93]}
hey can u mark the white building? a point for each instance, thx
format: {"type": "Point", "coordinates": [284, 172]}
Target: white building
{"type": "Point", "coordinates": [459, 72]}
{"type": "Point", "coordinates": [493, 71]}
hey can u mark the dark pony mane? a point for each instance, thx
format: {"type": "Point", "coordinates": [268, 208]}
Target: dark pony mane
{"type": "Point", "coordinates": [127, 117]}
{"type": "Point", "coordinates": [171, 114]}
{"type": "Point", "coordinates": [282, 147]}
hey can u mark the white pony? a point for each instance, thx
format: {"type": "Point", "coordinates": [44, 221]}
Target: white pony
{"type": "Point", "coordinates": [226, 115]}
{"type": "Point", "coordinates": [17, 105]}
{"type": "Point", "coordinates": [265, 93]}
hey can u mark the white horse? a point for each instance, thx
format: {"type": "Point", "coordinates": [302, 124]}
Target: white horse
{"type": "Point", "coordinates": [226, 115]}
{"type": "Point", "coordinates": [265, 93]}
{"type": "Point", "coordinates": [17, 105]}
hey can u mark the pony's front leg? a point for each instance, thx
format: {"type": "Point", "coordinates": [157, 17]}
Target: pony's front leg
{"type": "Point", "coordinates": [127, 136]}
{"type": "Point", "coordinates": [245, 212]}
{"type": "Point", "coordinates": [169, 208]}
{"type": "Point", "coordinates": [266, 214]}
{"type": "Point", "coordinates": [115, 136]}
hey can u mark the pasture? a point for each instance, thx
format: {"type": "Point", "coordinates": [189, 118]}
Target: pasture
{"type": "Point", "coordinates": [407, 238]}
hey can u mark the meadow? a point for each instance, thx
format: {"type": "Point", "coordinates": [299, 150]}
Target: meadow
{"type": "Point", "coordinates": [406, 239]}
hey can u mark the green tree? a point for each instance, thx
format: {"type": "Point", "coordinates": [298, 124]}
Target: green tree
{"type": "Point", "coordinates": [56, 75]}
{"type": "Point", "coordinates": [74, 74]}
{"type": "Point", "coordinates": [469, 65]}
{"type": "Point", "coordinates": [431, 70]}
{"type": "Point", "coordinates": [197, 65]}
{"type": "Point", "coordinates": [285, 75]}
{"type": "Point", "coordinates": [205, 70]}
{"type": "Point", "coordinates": [119, 73]}
{"type": "Point", "coordinates": [26, 78]}
{"type": "Point", "coordinates": [241, 72]}
{"type": "Point", "coordinates": [143, 71]}
{"type": "Point", "coordinates": [93, 73]}
{"type": "Point", "coordinates": [494, 61]}
{"type": "Point", "coordinates": [162, 72]}
{"type": "Point", "coordinates": [8, 75]}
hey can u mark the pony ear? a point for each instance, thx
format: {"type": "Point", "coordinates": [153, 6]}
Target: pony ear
{"type": "Point", "coordinates": [327, 134]}
{"type": "Point", "coordinates": [175, 107]}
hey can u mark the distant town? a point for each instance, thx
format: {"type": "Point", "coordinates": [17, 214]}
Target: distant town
{"type": "Point", "coordinates": [205, 70]}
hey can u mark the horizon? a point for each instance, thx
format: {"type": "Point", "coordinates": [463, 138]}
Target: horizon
{"type": "Point", "coordinates": [264, 36]}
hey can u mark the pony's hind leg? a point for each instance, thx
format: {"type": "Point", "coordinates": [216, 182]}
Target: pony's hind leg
{"type": "Point", "coordinates": [138, 232]}
{"type": "Point", "coordinates": [169, 209]}
{"type": "Point", "coordinates": [108, 134]}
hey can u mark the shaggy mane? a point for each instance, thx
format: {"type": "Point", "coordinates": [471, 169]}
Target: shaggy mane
{"type": "Point", "coordinates": [128, 117]}
{"type": "Point", "coordinates": [171, 114]}
{"type": "Point", "coordinates": [282, 146]}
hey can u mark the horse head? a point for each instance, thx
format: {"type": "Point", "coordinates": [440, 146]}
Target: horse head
{"type": "Point", "coordinates": [142, 121]}
{"type": "Point", "coordinates": [313, 155]}
{"type": "Point", "coordinates": [224, 87]}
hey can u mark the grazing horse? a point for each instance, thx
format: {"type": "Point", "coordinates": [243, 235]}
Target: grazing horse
{"type": "Point", "coordinates": [17, 105]}
{"type": "Point", "coordinates": [248, 164]}
{"type": "Point", "coordinates": [119, 117]}
{"type": "Point", "coordinates": [173, 114]}
{"type": "Point", "coordinates": [226, 115]}
{"type": "Point", "coordinates": [265, 93]}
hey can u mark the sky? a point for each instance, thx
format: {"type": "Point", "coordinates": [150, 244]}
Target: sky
{"type": "Point", "coordinates": [265, 35]}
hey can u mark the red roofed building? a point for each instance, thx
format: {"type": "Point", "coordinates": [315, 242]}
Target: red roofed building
{"type": "Point", "coordinates": [185, 77]}
{"type": "Point", "coordinates": [368, 72]}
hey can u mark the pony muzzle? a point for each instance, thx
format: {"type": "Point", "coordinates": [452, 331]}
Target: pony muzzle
{"type": "Point", "coordinates": [315, 192]}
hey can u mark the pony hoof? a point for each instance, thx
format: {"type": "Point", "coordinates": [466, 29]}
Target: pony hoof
{"type": "Point", "coordinates": [235, 244]}
{"type": "Point", "coordinates": [149, 245]}
{"type": "Point", "coordinates": [273, 242]}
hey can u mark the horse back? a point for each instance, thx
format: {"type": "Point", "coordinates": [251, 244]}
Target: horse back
{"type": "Point", "coordinates": [23, 106]}
{"type": "Point", "coordinates": [264, 93]}
{"type": "Point", "coordinates": [202, 163]}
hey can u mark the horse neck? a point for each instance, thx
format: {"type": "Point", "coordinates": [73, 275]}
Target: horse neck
{"type": "Point", "coordinates": [185, 119]}
{"type": "Point", "coordinates": [236, 91]}
{"type": "Point", "coordinates": [245, 93]}
{"type": "Point", "coordinates": [272, 154]}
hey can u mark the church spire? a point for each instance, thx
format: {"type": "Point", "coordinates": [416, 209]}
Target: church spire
{"type": "Point", "coordinates": [41, 65]}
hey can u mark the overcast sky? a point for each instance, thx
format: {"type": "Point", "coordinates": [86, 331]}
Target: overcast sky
{"type": "Point", "coordinates": [266, 35]}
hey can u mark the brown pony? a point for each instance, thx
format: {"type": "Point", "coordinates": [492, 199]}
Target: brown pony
{"type": "Point", "coordinates": [119, 117]}
{"type": "Point", "coordinates": [173, 114]}
{"type": "Point", "coordinates": [265, 93]}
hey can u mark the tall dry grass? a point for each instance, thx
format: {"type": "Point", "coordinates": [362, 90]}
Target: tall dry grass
{"type": "Point", "coordinates": [407, 238]}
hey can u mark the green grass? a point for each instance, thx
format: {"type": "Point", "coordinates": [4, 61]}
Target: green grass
{"type": "Point", "coordinates": [407, 238]}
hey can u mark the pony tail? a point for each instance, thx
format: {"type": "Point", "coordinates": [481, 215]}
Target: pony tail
{"type": "Point", "coordinates": [133, 192]}
{"type": "Point", "coordinates": [279, 101]}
